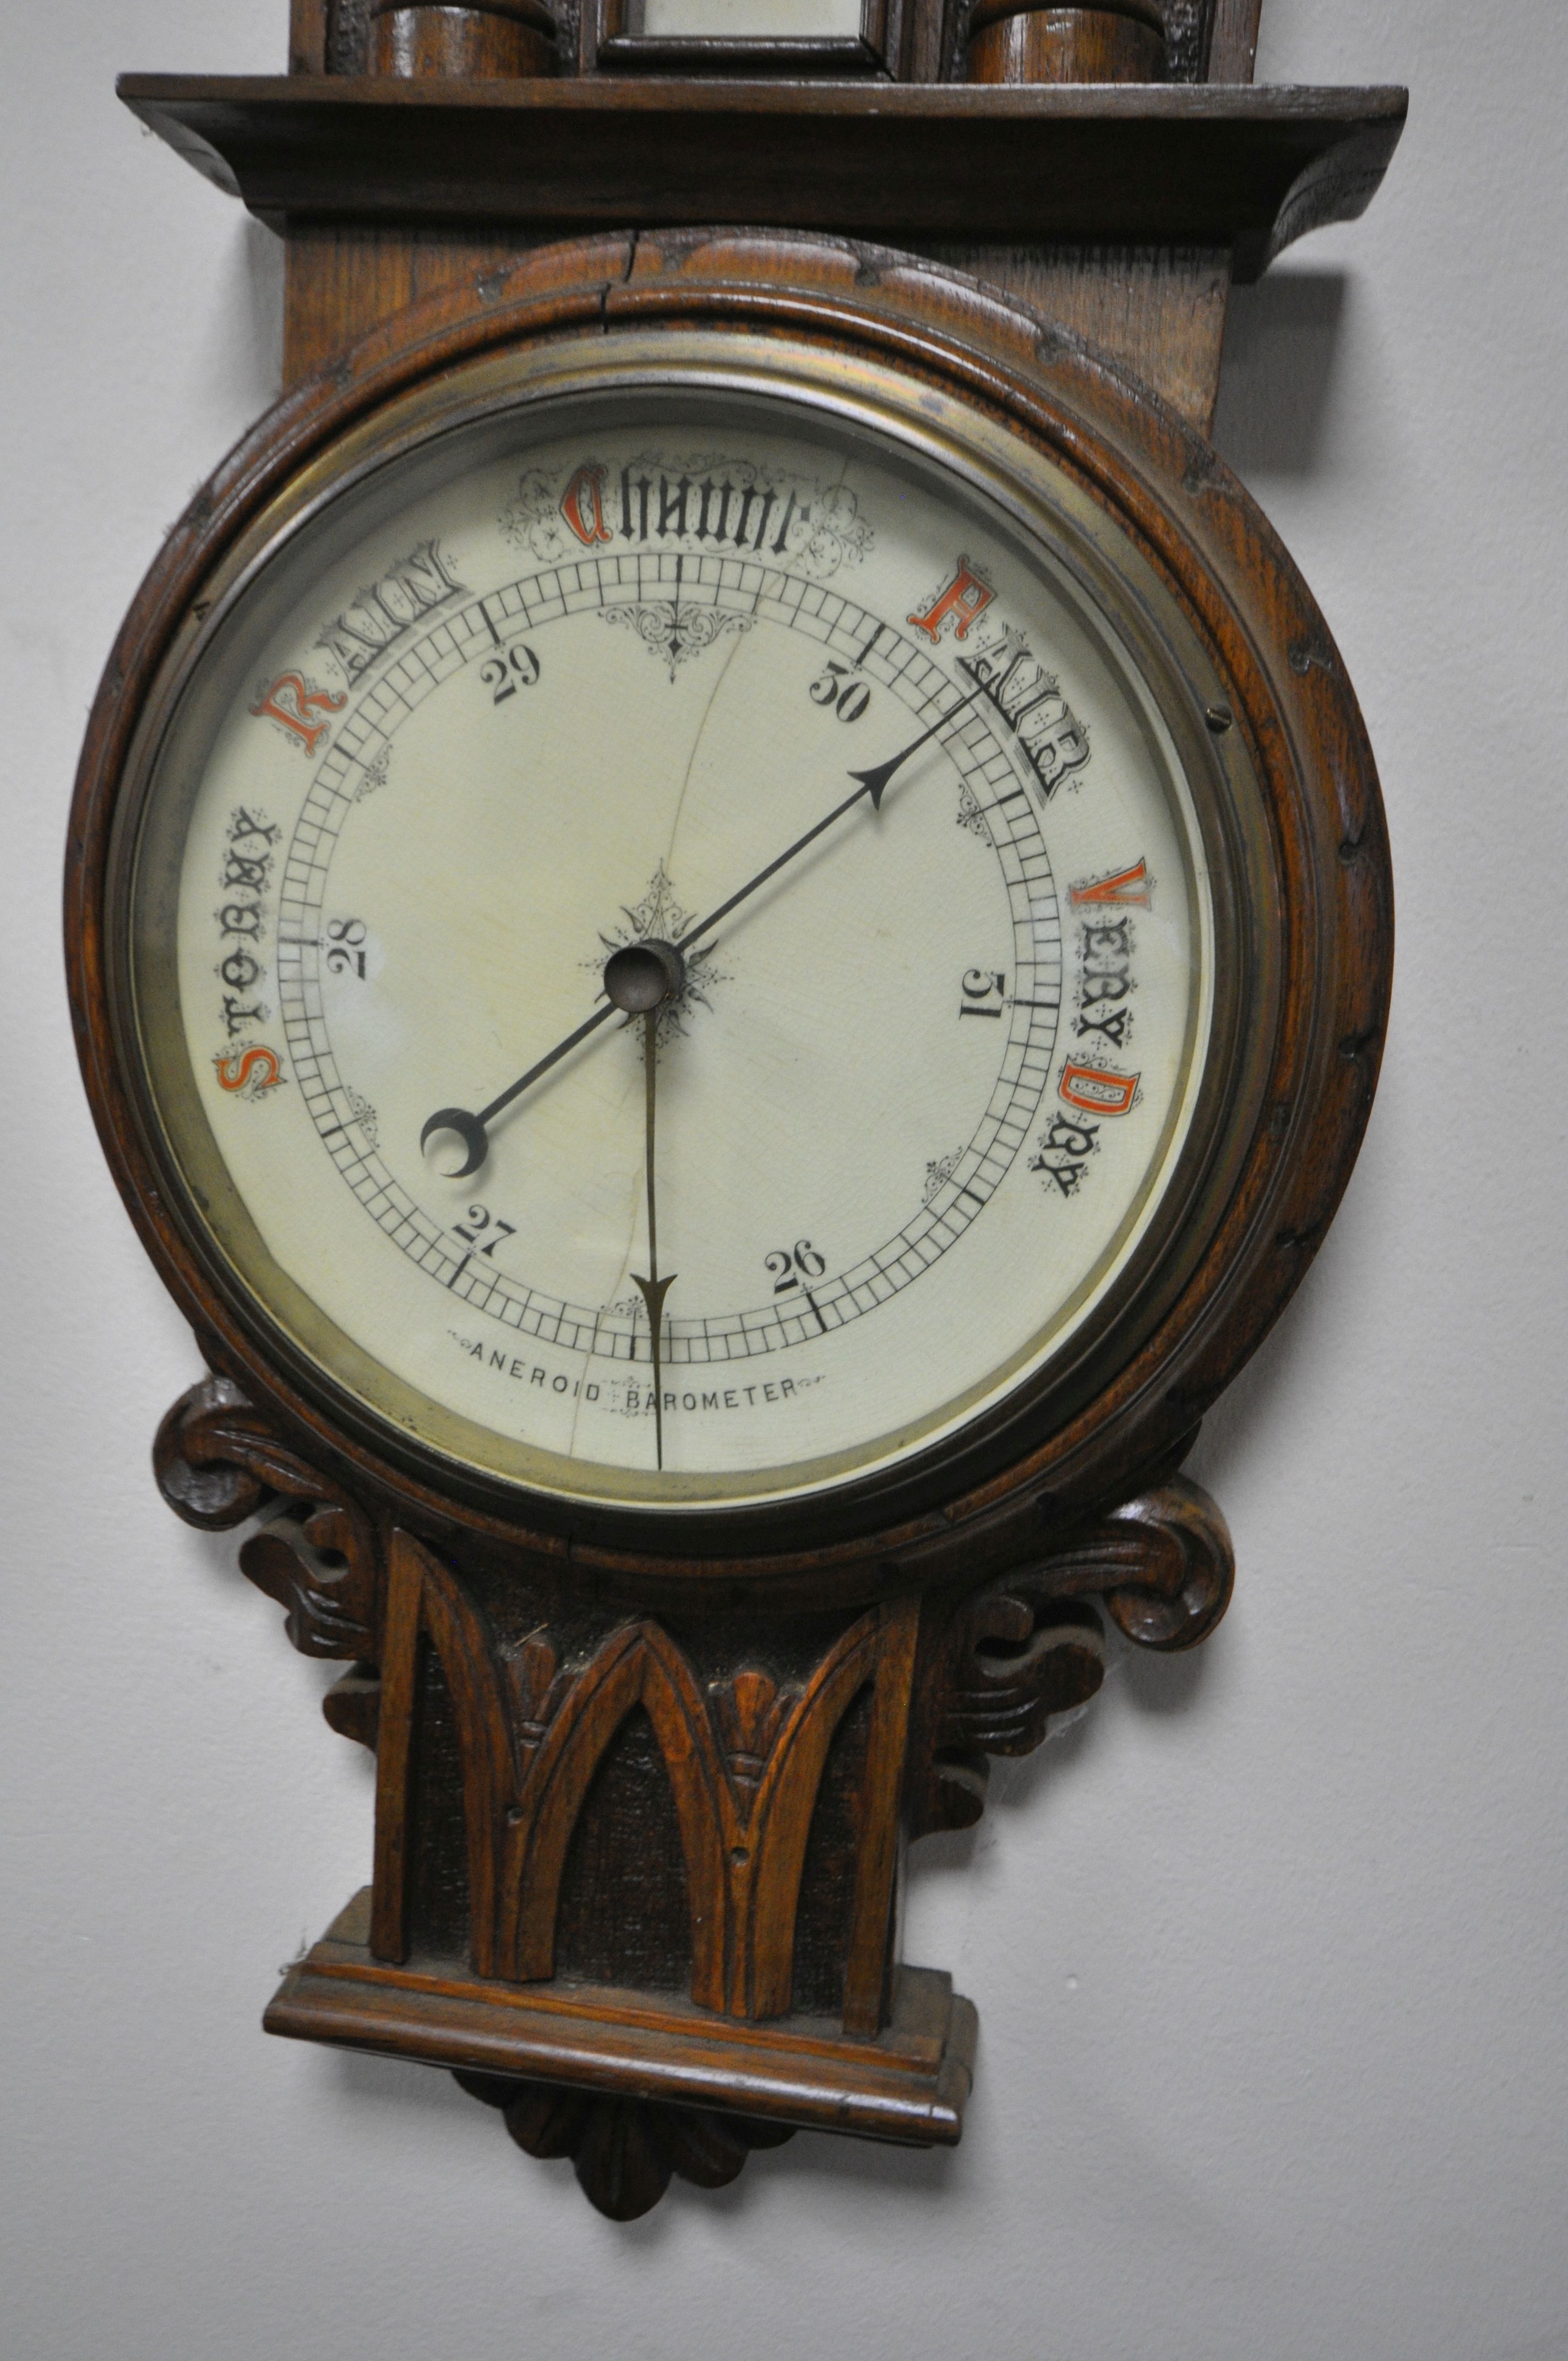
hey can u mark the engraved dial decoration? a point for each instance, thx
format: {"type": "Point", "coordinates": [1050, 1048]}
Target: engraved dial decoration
{"type": "Point", "coordinates": [671, 948]}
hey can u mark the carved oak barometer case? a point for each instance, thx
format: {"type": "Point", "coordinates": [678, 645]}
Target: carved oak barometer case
{"type": "Point", "coordinates": [731, 928]}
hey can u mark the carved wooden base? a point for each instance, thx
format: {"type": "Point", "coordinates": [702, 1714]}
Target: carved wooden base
{"type": "Point", "coordinates": [636, 1874]}
{"type": "Point", "coordinates": [636, 2089]}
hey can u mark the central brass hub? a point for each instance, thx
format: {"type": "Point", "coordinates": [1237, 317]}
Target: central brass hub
{"type": "Point", "coordinates": [644, 975]}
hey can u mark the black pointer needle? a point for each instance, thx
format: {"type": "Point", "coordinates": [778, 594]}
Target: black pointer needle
{"type": "Point", "coordinates": [654, 1289]}
{"type": "Point", "coordinates": [471, 1128]}
{"type": "Point", "coordinates": [873, 782]}
{"type": "Point", "coordinates": [642, 978]}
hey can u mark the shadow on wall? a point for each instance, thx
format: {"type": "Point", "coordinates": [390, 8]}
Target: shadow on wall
{"type": "Point", "coordinates": [242, 360]}
{"type": "Point", "coordinates": [1282, 344]}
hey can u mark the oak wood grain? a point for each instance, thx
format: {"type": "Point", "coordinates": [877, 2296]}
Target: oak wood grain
{"type": "Point", "coordinates": [434, 40]}
{"type": "Point", "coordinates": [341, 279]}
{"type": "Point", "coordinates": [398, 1656]}
{"type": "Point", "coordinates": [1010, 41]}
{"type": "Point", "coordinates": [1233, 45]}
{"type": "Point", "coordinates": [307, 36]}
{"type": "Point", "coordinates": [1159, 311]}
{"type": "Point", "coordinates": [893, 2089]}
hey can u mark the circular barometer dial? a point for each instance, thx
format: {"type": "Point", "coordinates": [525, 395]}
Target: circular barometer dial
{"type": "Point", "coordinates": [671, 948]}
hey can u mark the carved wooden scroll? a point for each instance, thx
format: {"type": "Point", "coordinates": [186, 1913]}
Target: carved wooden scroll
{"type": "Point", "coordinates": [998, 1664]}
{"type": "Point", "coordinates": [218, 1463]}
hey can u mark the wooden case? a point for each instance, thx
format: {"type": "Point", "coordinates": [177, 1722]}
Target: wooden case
{"type": "Point", "coordinates": [641, 1807]}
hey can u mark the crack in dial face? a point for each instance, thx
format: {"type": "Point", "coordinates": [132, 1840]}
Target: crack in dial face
{"type": "Point", "coordinates": [446, 842]}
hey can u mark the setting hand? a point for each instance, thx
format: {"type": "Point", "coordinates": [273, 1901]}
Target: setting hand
{"type": "Point", "coordinates": [473, 1129]}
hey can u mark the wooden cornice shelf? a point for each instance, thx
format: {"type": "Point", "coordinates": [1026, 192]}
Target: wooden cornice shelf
{"type": "Point", "coordinates": [1229, 166]}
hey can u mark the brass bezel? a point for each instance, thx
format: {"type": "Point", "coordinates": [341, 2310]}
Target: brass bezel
{"type": "Point", "coordinates": [1115, 577]}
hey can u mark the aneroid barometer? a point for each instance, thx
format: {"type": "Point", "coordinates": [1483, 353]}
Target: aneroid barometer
{"type": "Point", "coordinates": [730, 918]}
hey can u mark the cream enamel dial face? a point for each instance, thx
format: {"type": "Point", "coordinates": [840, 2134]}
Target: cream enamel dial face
{"type": "Point", "coordinates": [782, 763]}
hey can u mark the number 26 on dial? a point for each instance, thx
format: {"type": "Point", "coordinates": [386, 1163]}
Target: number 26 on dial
{"type": "Point", "coordinates": [787, 1265]}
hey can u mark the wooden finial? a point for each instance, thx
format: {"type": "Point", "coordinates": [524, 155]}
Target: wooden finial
{"type": "Point", "coordinates": [1018, 40]}
{"type": "Point", "coordinates": [485, 40]}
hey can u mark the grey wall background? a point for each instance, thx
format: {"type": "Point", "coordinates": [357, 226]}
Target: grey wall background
{"type": "Point", "coordinates": [1268, 1951]}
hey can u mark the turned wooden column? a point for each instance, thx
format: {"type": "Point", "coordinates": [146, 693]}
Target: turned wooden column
{"type": "Point", "coordinates": [346, 276]}
{"type": "Point", "coordinates": [488, 40]}
{"type": "Point", "coordinates": [1018, 41]}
